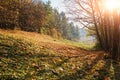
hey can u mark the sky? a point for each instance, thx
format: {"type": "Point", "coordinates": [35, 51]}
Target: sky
{"type": "Point", "coordinates": [58, 4]}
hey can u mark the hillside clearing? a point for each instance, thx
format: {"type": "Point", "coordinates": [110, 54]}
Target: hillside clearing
{"type": "Point", "coordinates": [30, 56]}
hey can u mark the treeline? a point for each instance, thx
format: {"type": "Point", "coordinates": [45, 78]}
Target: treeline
{"type": "Point", "coordinates": [36, 16]}
{"type": "Point", "coordinates": [107, 29]}
{"type": "Point", "coordinates": [104, 23]}
{"type": "Point", "coordinates": [109, 33]}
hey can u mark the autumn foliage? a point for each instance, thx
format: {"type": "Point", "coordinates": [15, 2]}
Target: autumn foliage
{"type": "Point", "coordinates": [36, 16]}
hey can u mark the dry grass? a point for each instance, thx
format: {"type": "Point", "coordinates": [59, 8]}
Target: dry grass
{"type": "Point", "coordinates": [41, 38]}
{"type": "Point", "coordinates": [49, 59]}
{"type": "Point", "coordinates": [27, 35]}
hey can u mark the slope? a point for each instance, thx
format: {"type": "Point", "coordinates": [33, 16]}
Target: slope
{"type": "Point", "coordinates": [31, 56]}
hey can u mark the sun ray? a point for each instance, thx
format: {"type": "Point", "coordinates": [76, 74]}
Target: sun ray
{"type": "Point", "coordinates": [112, 4]}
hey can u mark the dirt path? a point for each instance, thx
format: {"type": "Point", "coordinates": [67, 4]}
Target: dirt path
{"type": "Point", "coordinates": [74, 61]}
{"type": "Point", "coordinates": [71, 51]}
{"type": "Point", "coordinates": [51, 60]}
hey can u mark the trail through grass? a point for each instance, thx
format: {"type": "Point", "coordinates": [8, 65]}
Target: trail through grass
{"type": "Point", "coordinates": [30, 56]}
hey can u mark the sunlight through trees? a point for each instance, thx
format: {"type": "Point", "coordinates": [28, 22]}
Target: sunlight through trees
{"type": "Point", "coordinates": [98, 14]}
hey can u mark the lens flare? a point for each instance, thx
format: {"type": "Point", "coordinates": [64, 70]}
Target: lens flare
{"type": "Point", "coordinates": [112, 4]}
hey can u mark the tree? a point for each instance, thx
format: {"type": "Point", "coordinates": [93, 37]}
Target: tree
{"type": "Point", "coordinates": [106, 23]}
{"type": "Point", "coordinates": [35, 16]}
{"type": "Point", "coordinates": [9, 13]}
{"type": "Point", "coordinates": [32, 16]}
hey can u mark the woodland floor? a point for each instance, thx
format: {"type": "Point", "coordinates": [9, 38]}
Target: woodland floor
{"type": "Point", "coordinates": [40, 57]}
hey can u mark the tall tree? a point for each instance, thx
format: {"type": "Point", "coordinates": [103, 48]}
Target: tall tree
{"type": "Point", "coordinates": [106, 22]}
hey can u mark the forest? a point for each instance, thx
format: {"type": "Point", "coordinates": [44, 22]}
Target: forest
{"type": "Point", "coordinates": [36, 16]}
{"type": "Point", "coordinates": [38, 42]}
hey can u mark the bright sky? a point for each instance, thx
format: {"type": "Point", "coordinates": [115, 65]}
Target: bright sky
{"type": "Point", "coordinates": [58, 4]}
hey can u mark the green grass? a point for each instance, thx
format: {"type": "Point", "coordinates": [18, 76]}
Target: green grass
{"type": "Point", "coordinates": [87, 46]}
{"type": "Point", "coordinates": [23, 59]}
{"type": "Point", "coordinates": [34, 37]}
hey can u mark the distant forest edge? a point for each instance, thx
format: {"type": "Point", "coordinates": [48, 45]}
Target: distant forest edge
{"type": "Point", "coordinates": [36, 16]}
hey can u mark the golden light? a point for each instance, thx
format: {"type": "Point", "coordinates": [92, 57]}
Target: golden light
{"type": "Point", "coordinates": [112, 4]}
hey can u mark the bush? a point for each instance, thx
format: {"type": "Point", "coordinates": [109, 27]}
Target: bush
{"type": "Point", "coordinates": [97, 46]}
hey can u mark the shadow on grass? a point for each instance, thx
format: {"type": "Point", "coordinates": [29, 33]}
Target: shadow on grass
{"type": "Point", "coordinates": [110, 71]}
{"type": "Point", "coordinates": [39, 66]}
{"type": "Point", "coordinates": [29, 65]}
{"type": "Point", "coordinates": [23, 66]}
{"type": "Point", "coordinates": [83, 73]}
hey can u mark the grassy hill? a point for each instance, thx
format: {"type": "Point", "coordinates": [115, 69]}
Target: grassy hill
{"type": "Point", "coordinates": [31, 56]}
